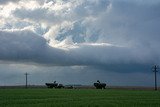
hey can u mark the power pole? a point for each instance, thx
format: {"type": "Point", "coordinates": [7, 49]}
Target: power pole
{"type": "Point", "coordinates": [155, 70]}
{"type": "Point", "coordinates": [26, 74]}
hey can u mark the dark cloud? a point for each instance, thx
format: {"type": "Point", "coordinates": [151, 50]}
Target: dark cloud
{"type": "Point", "coordinates": [26, 46]}
{"type": "Point", "coordinates": [20, 44]}
{"type": "Point", "coordinates": [69, 33]}
{"type": "Point", "coordinates": [130, 22]}
{"type": "Point", "coordinates": [126, 24]}
{"type": "Point", "coordinates": [7, 1]}
{"type": "Point", "coordinates": [13, 74]}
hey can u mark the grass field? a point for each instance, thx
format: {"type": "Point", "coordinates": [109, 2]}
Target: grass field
{"type": "Point", "coordinates": [78, 98]}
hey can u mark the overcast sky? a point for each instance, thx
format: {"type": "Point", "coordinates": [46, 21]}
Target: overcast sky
{"type": "Point", "coordinates": [79, 41]}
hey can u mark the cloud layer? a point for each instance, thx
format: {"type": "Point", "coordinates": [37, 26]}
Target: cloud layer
{"type": "Point", "coordinates": [27, 46]}
{"type": "Point", "coordinates": [99, 35]}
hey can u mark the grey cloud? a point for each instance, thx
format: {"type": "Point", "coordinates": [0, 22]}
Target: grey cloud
{"type": "Point", "coordinates": [19, 44]}
{"type": "Point", "coordinates": [131, 26]}
{"type": "Point", "coordinates": [37, 14]}
{"type": "Point", "coordinates": [91, 7]}
{"type": "Point", "coordinates": [26, 46]}
{"type": "Point", "coordinates": [42, 15]}
{"type": "Point", "coordinates": [14, 75]}
{"type": "Point", "coordinates": [117, 59]}
{"type": "Point", "coordinates": [7, 1]}
{"type": "Point", "coordinates": [79, 33]}
{"type": "Point", "coordinates": [117, 22]}
{"type": "Point", "coordinates": [82, 10]}
{"type": "Point", "coordinates": [125, 23]}
{"type": "Point", "coordinates": [130, 22]}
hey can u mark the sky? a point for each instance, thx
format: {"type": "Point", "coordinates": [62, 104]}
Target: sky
{"type": "Point", "coordinates": [79, 41]}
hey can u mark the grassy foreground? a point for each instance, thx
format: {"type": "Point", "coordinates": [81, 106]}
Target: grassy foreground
{"type": "Point", "coordinates": [78, 98]}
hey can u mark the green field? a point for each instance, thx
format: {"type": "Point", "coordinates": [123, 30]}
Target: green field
{"type": "Point", "coordinates": [78, 98]}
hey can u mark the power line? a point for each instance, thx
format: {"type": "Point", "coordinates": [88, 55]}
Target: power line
{"type": "Point", "coordinates": [155, 70]}
{"type": "Point", "coordinates": [26, 75]}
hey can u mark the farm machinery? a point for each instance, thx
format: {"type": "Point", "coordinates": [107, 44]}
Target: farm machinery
{"type": "Point", "coordinates": [99, 85]}
{"type": "Point", "coordinates": [54, 85]}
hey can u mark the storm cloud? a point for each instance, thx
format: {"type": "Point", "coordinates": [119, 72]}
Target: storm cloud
{"type": "Point", "coordinates": [27, 46]}
{"type": "Point", "coordinates": [98, 35]}
{"type": "Point", "coordinates": [7, 1]}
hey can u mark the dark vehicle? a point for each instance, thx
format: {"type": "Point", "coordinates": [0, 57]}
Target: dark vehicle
{"type": "Point", "coordinates": [54, 85]}
{"type": "Point", "coordinates": [60, 86]}
{"type": "Point", "coordinates": [99, 85]}
{"type": "Point", "coordinates": [69, 87]}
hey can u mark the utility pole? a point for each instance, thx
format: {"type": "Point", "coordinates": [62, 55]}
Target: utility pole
{"type": "Point", "coordinates": [155, 70]}
{"type": "Point", "coordinates": [26, 74]}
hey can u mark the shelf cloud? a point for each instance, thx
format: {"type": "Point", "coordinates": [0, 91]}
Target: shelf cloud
{"type": "Point", "coordinates": [99, 35]}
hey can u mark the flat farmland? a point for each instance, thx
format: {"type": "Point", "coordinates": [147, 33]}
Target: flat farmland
{"type": "Point", "coordinates": [78, 98]}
